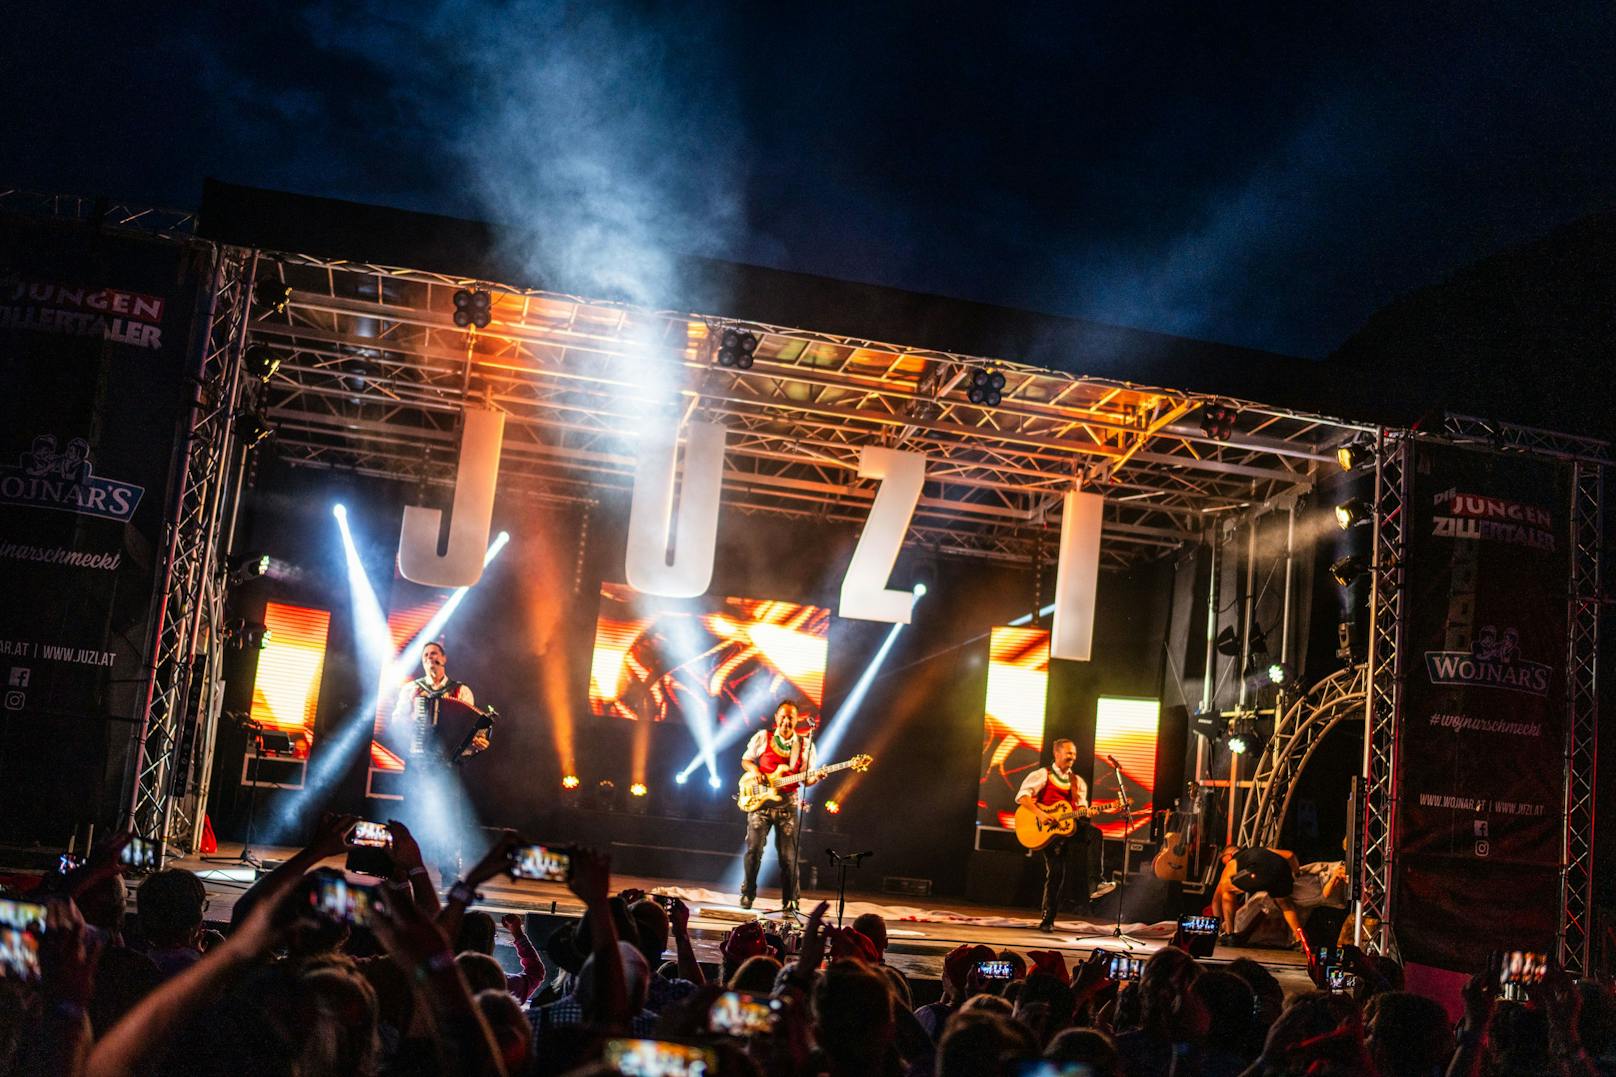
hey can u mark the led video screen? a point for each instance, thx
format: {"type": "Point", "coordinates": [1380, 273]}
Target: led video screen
{"type": "Point", "coordinates": [1126, 729]}
{"type": "Point", "coordinates": [286, 686]}
{"type": "Point", "coordinates": [736, 659]}
{"type": "Point", "coordinates": [1012, 719]}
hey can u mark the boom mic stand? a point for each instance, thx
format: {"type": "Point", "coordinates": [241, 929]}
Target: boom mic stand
{"type": "Point", "coordinates": [1117, 934]}
{"type": "Point", "coordinates": [841, 863]}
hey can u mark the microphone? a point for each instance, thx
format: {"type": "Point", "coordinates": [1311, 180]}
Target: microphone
{"type": "Point", "coordinates": [1113, 761]}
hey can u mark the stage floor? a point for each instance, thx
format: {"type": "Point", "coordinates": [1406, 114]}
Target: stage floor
{"type": "Point", "coordinates": [919, 936]}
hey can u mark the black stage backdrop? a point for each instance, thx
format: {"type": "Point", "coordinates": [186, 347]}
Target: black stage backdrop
{"type": "Point", "coordinates": [95, 333]}
{"type": "Point", "coordinates": [1482, 743]}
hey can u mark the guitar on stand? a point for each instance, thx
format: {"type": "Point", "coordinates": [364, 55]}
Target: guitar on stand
{"type": "Point", "coordinates": [757, 790]}
{"type": "Point", "coordinates": [1173, 861]}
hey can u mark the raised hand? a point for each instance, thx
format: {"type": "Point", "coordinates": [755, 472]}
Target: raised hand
{"type": "Point", "coordinates": [679, 916]}
{"type": "Point", "coordinates": [813, 939]}
{"type": "Point", "coordinates": [68, 954]}
{"type": "Point", "coordinates": [512, 923]}
{"type": "Point", "coordinates": [496, 860]}
{"type": "Point", "coordinates": [331, 834]}
{"type": "Point", "coordinates": [591, 878]}
{"type": "Point", "coordinates": [406, 851]}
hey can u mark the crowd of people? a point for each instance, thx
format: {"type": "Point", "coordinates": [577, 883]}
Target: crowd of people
{"type": "Point", "coordinates": [315, 977]}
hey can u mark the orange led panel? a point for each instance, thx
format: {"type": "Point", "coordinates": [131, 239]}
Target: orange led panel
{"type": "Point", "coordinates": [1126, 729]}
{"type": "Point", "coordinates": [1012, 719]}
{"type": "Point", "coordinates": [286, 685]}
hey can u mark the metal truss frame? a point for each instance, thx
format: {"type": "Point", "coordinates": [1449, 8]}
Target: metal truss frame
{"type": "Point", "coordinates": [1383, 694]}
{"type": "Point", "coordinates": [1582, 706]}
{"type": "Point", "coordinates": [374, 376]}
{"type": "Point", "coordinates": [104, 212]}
{"type": "Point", "coordinates": [165, 801]}
{"type": "Point", "coordinates": [1297, 735]}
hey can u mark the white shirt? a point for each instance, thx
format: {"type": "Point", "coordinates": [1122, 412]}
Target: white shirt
{"type": "Point", "coordinates": [1037, 778]}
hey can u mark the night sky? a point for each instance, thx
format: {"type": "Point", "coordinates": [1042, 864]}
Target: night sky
{"type": "Point", "coordinates": [1261, 174]}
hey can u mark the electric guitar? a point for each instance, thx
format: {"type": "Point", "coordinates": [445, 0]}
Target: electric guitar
{"type": "Point", "coordinates": [757, 790]}
{"type": "Point", "coordinates": [1172, 863]}
{"type": "Point", "coordinates": [1036, 829]}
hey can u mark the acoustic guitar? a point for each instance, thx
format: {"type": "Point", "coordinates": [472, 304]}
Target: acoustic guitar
{"type": "Point", "coordinates": [757, 790]}
{"type": "Point", "coordinates": [1173, 861]}
{"type": "Point", "coordinates": [1036, 829]}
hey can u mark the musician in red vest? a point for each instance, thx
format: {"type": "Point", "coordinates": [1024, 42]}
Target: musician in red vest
{"type": "Point", "coordinates": [776, 753]}
{"type": "Point", "coordinates": [1043, 790]}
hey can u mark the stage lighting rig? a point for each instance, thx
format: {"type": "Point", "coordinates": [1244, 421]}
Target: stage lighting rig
{"type": "Point", "coordinates": [473, 307]}
{"type": "Point", "coordinates": [570, 782]}
{"type": "Point", "coordinates": [1347, 569]}
{"type": "Point", "coordinates": [1354, 456]}
{"type": "Point", "coordinates": [272, 295]}
{"type": "Point", "coordinates": [986, 387]}
{"type": "Point", "coordinates": [736, 348]}
{"type": "Point", "coordinates": [638, 789]}
{"type": "Point", "coordinates": [261, 361]}
{"type": "Point", "coordinates": [250, 567]}
{"type": "Point", "coordinates": [245, 635]}
{"type": "Point", "coordinates": [1217, 421]}
{"type": "Point", "coordinates": [833, 807]}
{"type": "Point", "coordinates": [1352, 513]}
{"type": "Point", "coordinates": [253, 429]}
{"type": "Point", "coordinates": [1244, 739]}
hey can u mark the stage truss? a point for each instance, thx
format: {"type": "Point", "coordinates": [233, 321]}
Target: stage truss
{"type": "Point", "coordinates": [374, 376]}
{"type": "Point", "coordinates": [1297, 735]}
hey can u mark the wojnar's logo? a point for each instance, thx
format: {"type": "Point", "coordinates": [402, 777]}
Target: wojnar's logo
{"type": "Point", "coordinates": [47, 479]}
{"type": "Point", "coordinates": [1493, 661]}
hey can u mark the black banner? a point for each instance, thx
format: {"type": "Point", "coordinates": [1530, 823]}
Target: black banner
{"type": "Point", "coordinates": [1482, 741]}
{"type": "Point", "coordinates": [96, 333]}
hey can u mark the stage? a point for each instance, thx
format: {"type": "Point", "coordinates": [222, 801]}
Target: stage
{"type": "Point", "coordinates": [919, 936]}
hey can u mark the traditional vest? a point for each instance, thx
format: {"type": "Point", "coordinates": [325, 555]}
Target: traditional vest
{"type": "Point", "coordinates": [772, 758]}
{"type": "Point", "coordinates": [1055, 791]}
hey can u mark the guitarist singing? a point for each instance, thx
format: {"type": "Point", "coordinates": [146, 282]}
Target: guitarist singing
{"type": "Point", "coordinates": [1047, 788]}
{"type": "Point", "coordinates": [776, 754]}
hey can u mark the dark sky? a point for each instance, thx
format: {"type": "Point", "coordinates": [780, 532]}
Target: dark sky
{"type": "Point", "coordinates": [1261, 174]}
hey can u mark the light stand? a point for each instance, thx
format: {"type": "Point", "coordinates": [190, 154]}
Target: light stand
{"type": "Point", "coordinates": [1117, 934]}
{"type": "Point", "coordinates": [255, 746]}
{"type": "Point", "coordinates": [841, 863]}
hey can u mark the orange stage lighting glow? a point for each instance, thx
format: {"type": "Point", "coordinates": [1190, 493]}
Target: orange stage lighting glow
{"type": "Point", "coordinates": [1126, 729]}
{"type": "Point", "coordinates": [653, 660]}
{"type": "Point", "coordinates": [286, 688]}
{"type": "Point", "coordinates": [1012, 720]}
{"type": "Point", "coordinates": [570, 782]}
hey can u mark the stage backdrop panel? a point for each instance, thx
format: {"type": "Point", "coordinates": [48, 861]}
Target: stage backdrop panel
{"type": "Point", "coordinates": [1126, 729]}
{"type": "Point", "coordinates": [735, 660]}
{"type": "Point", "coordinates": [1482, 738]}
{"type": "Point", "coordinates": [1012, 719]}
{"type": "Point", "coordinates": [97, 332]}
{"type": "Point", "coordinates": [286, 683]}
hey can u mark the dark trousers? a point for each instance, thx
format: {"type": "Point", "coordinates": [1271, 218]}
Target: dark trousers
{"type": "Point", "coordinates": [783, 819]}
{"type": "Point", "coordinates": [1067, 858]}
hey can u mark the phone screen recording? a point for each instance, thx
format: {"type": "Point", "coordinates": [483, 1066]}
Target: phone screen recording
{"type": "Point", "coordinates": [735, 1013]}
{"type": "Point", "coordinates": [540, 862]}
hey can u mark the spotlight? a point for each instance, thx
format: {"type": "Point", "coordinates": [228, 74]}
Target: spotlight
{"type": "Point", "coordinates": [715, 781]}
{"type": "Point", "coordinates": [272, 295]}
{"type": "Point", "coordinates": [1279, 673]}
{"type": "Point", "coordinates": [261, 361]}
{"type": "Point", "coordinates": [340, 511]}
{"type": "Point", "coordinates": [1217, 421]}
{"type": "Point", "coordinates": [1239, 744]}
{"type": "Point", "coordinates": [1352, 513]}
{"type": "Point", "coordinates": [1352, 457]}
{"type": "Point", "coordinates": [245, 635]}
{"type": "Point", "coordinates": [1348, 569]}
{"type": "Point", "coordinates": [736, 348]}
{"type": "Point", "coordinates": [833, 807]}
{"type": "Point", "coordinates": [570, 781]}
{"type": "Point", "coordinates": [680, 779]}
{"type": "Point", "coordinates": [986, 388]}
{"type": "Point", "coordinates": [473, 307]}
{"type": "Point", "coordinates": [1244, 738]}
{"type": "Point", "coordinates": [253, 429]}
{"type": "Point", "coordinates": [920, 590]}
{"type": "Point", "coordinates": [249, 568]}
{"type": "Point", "coordinates": [637, 789]}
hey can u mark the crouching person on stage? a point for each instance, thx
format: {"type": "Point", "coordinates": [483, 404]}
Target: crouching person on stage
{"type": "Point", "coordinates": [1046, 789]}
{"type": "Point", "coordinates": [1255, 871]}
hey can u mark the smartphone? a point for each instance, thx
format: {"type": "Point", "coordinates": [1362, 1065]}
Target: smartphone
{"type": "Point", "coordinates": [1326, 956]}
{"type": "Point", "coordinates": [1339, 979]}
{"type": "Point", "coordinates": [1517, 970]}
{"type": "Point", "coordinates": [736, 1013]}
{"type": "Point", "coordinates": [68, 863]}
{"type": "Point", "coordinates": [21, 925]}
{"type": "Point", "coordinates": [659, 1058]}
{"type": "Point", "coordinates": [1123, 967]}
{"type": "Point", "coordinates": [540, 862]}
{"type": "Point", "coordinates": [1044, 1067]}
{"type": "Point", "coordinates": [1199, 934]}
{"type": "Point", "coordinates": [995, 970]}
{"type": "Point", "coordinates": [370, 849]}
{"type": "Point", "coordinates": [332, 897]}
{"type": "Point", "coordinates": [140, 854]}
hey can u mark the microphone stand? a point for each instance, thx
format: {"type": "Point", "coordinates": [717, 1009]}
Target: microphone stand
{"type": "Point", "coordinates": [796, 849]}
{"type": "Point", "coordinates": [841, 864]}
{"type": "Point", "coordinates": [1117, 933]}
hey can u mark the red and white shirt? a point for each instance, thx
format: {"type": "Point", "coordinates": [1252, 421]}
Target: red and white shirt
{"type": "Point", "coordinates": [773, 755]}
{"type": "Point", "coordinates": [1048, 787]}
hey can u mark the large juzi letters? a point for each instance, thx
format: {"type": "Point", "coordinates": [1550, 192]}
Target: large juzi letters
{"type": "Point", "coordinates": [478, 472]}
{"type": "Point", "coordinates": [1076, 576]}
{"type": "Point", "coordinates": [646, 565]}
{"type": "Point", "coordinates": [864, 589]}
